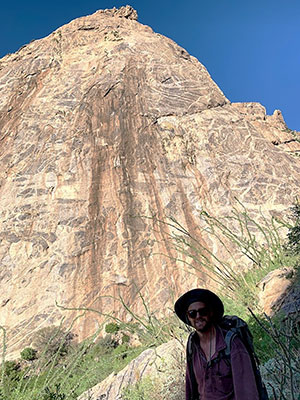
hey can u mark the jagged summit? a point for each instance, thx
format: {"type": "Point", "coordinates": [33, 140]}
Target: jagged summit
{"type": "Point", "coordinates": [124, 12]}
{"type": "Point", "coordinates": [104, 120]}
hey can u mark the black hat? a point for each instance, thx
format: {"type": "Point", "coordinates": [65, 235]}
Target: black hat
{"type": "Point", "coordinates": [206, 296]}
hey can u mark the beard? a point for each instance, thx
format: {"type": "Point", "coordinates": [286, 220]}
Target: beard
{"type": "Point", "coordinates": [203, 325]}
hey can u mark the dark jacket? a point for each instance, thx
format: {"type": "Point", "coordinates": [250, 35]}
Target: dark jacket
{"type": "Point", "coordinates": [221, 379]}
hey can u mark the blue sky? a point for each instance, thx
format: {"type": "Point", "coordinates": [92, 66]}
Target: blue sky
{"type": "Point", "coordinates": [251, 48]}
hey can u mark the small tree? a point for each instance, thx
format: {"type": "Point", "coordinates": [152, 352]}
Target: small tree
{"type": "Point", "coordinates": [52, 340]}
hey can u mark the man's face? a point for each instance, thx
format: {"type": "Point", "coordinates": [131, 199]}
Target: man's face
{"type": "Point", "coordinates": [199, 316]}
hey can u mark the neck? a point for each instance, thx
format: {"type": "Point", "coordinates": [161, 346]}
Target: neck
{"type": "Point", "coordinates": [207, 335]}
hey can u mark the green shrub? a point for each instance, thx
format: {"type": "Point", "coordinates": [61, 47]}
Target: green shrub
{"type": "Point", "coordinates": [55, 394]}
{"type": "Point", "coordinates": [264, 346]}
{"type": "Point", "coordinates": [125, 338]}
{"type": "Point", "coordinates": [28, 354]}
{"type": "Point", "coordinates": [11, 377]}
{"type": "Point", "coordinates": [107, 343]}
{"type": "Point", "coordinates": [12, 370]}
{"type": "Point", "coordinates": [112, 327]}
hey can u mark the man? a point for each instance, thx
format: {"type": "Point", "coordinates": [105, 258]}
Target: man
{"type": "Point", "coordinates": [208, 375]}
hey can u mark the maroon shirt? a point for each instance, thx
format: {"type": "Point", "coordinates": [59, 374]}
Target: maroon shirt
{"type": "Point", "coordinates": [223, 380]}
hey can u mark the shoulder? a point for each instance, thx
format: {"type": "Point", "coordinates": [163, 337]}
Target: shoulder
{"type": "Point", "coordinates": [238, 348]}
{"type": "Point", "coordinates": [237, 342]}
{"type": "Point", "coordinates": [192, 341]}
{"type": "Point", "coordinates": [193, 337]}
{"type": "Point", "coordinates": [231, 340]}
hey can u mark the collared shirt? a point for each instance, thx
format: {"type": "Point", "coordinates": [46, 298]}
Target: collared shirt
{"type": "Point", "coordinates": [221, 379]}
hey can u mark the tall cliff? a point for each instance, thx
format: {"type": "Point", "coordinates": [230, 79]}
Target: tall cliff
{"type": "Point", "coordinates": [102, 121]}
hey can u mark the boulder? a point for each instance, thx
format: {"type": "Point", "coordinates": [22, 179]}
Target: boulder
{"type": "Point", "coordinates": [274, 288]}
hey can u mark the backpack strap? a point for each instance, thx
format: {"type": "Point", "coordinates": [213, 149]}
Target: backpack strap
{"type": "Point", "coordinates": [230, 335]}
{"type": "Point", "coordinates": [189, 358]}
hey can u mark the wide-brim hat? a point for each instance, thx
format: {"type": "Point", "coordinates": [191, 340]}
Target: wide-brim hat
{"type": "Point", "coordinates": [210, 299]}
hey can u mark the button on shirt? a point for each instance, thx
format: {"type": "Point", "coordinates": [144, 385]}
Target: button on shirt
{"type": "Point", "coordinates": [221, 379]}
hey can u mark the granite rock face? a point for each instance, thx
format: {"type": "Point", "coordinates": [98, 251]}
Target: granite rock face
{"type": "Point", "coordinates": [102, 122]}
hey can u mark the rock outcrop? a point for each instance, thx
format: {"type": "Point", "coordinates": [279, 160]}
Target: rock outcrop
{"type": "Point", "coordinates": [102, 122]}
{"type": "Point", "coordinates": [164, 366]}
{"type": "Point", "coordinates": [274, 288]}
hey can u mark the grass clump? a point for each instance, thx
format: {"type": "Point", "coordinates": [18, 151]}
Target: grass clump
{"type": "Point", "coordinates": [146, 389]}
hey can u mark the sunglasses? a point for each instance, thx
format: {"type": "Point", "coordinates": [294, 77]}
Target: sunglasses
{"type": "Point", "coordinates": [203, 312]}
